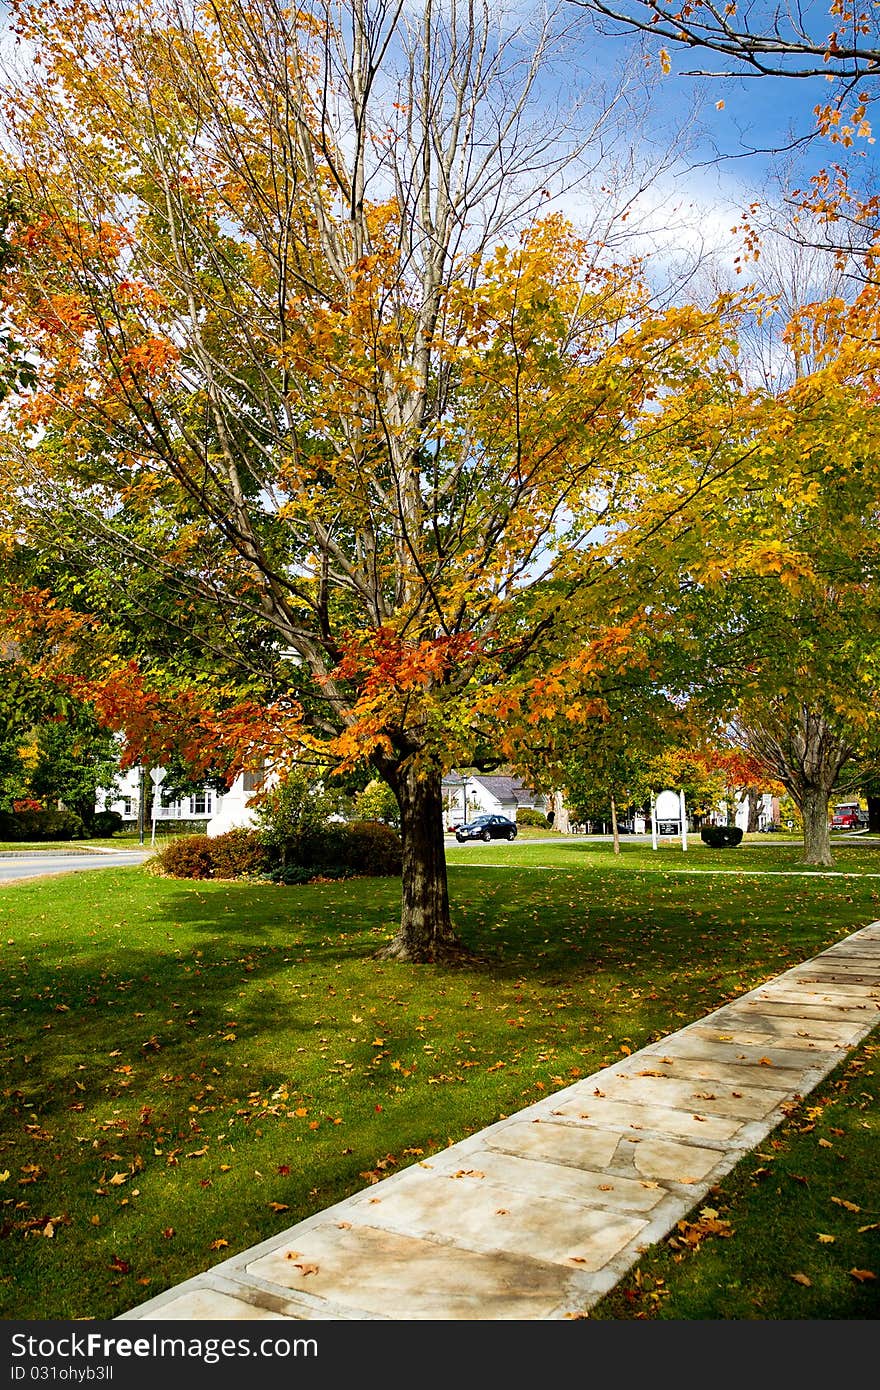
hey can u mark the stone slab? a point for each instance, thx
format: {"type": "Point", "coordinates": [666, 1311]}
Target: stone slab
{"type": "Point", "coordinates": [761, 1039]}
{"type": "Point", "coordinates": [210, 1305]}
{"type": "Point", "coordinates": [562, 1182]}
{"type": "Point", "coordinates": [397, 1276]}
{"type": "Point", "coordinates": [716, 1098]}
{"type": "Point", "coordinates": [629, 1115]}
{"type": "Point", "coordinates": [662, 1160]}
{"type": "Point", "coordinates": [705, 1044]}
{"type": "Point", "coordinates": [805, 988]}
{"type": "Point", "coordinates": [843, 974]}
{"type": "Point", "coordinates": [784, 1006]}
{"type": "Point", "coordinates": [559, 1143]}
{"type": "Point", "coordinates": [786, 1029]}
{"type": "Point", "coordinates": [744, 1070]}
{"type": "Point", "coordinates": [483, 1215]}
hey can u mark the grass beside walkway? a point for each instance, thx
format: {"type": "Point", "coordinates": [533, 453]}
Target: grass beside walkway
{"type": "Point", "coordinates": [191, 1067]}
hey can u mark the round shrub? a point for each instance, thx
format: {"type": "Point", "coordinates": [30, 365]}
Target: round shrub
{"type": "Point", "coordinates": [186, 856]}
{"type": "Point", "coordinates": [527, 815]}
{"type": "Point", "coordinates": [721, 836]}
{"type": "Point", "coordinates": [238, 853]}
{"type": "Point", "coordinates": [373, 848]}
{"type": "Point", "coordinates": [107, 823]}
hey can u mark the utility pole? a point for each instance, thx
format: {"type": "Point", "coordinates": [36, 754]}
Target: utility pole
{"type": "Point", "coordinates": [141, 780]}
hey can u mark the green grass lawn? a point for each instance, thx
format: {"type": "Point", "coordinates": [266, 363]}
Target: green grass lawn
{"type": "Point", "coordinates": [191, 1067]}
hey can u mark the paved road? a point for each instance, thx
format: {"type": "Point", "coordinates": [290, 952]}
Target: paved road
{"type": "Point", "coordinates": [21, 864]}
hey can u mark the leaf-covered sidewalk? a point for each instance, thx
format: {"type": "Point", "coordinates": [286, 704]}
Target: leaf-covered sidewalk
{"type": "Point", "coordinates": [539, 1215]}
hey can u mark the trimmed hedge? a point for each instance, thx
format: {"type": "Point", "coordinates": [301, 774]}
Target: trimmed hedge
{"type": "Point", "coordinates": [349, 849]}
{"type": "Point", "coordinates": [345, 850]}
{"type": "Point", "coordinates": [721, 836]}
{"type": "Point", "coordinates": [186, 856]}
{"type": "Point", "coordinates": [237, 853]}
{"type": "Point", "coordinates": [41, 825]}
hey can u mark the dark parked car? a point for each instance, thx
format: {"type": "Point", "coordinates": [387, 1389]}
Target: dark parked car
{"type": "Point", "coordinates": [487, 828]}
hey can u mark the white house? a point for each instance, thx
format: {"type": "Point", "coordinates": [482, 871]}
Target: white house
{"type": "Point", "coordinates": [125, 797]}
{"type": "Point", "coordinates": [466, 795]}
{"type": "Point", "coordinates": [234, 809]}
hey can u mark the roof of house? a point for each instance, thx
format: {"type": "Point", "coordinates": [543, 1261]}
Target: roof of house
{"type": "Point", "coordinates": [504, 789]}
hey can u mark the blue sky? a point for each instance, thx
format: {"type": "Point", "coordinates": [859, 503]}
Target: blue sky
{"type": "Point", "coordinates": [752, 148]}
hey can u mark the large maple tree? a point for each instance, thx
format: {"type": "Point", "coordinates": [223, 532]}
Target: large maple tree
{"type": "Point", "coordinates": [321, 390]}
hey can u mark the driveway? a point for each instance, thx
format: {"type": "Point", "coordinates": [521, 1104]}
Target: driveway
{"type": "Point", "coordinates": [19, 864]}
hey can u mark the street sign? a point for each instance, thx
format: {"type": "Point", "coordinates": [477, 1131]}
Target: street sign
{"type": "Point", "coordinates": [668, 806]}
{"type": "Point", "coordinates": [157, 775]}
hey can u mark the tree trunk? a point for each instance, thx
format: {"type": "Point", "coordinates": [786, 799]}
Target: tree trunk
{"type": "Point", "coordinates": [614, 830]}
{"type": "Point", "coordinates": [425, 928]}
{"type": "Point", "coordinates": [561, 814]}
{"type": "Point", "coordinates": [754, 797]}
{"type": "Point", "coordinates": [874, 814]}
{"type": "Point", "coordinates": [813, 806]}
{"type": "Point", "coordinates": [807, 753]}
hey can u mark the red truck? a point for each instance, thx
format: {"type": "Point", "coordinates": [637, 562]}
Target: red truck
{"type": "Point", "coordinates": [848, 815]}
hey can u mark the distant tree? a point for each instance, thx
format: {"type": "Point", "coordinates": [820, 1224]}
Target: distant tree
{"type": "Point", "coordinates": [74, 759]}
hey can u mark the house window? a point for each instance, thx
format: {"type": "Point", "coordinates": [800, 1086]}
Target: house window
{"type": "Point", "coordinates": [127, 806]}
{"type": "Point", "coordinates": [200, 803]}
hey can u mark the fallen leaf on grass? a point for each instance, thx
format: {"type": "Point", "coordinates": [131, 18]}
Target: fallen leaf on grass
{"type": "Point", "coordinates": [800, 1278]}
{"type": "Point", "coordinates": [841, 1202]}
{"type": "Point", "coordinates": [863, 1275]}
{"type": "Point", "coordinates": [874, 1226]}
{"type": "Point", "coordinates": [120, 1266]}
{"type": "Point", "coordinates": [825, 1144]}
{"type": "Point", "coordinates": [825, 1240]}
{"type": "Point", "coordinates": [118, 1179]}
{"type": "Point", "coordinates": [219, 1244]}
{"type": "Point", "coordinates": [279, 1206]}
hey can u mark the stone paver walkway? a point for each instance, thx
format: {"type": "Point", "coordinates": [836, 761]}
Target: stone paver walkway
{"type": "Point", "coordinates": [539, 1215]}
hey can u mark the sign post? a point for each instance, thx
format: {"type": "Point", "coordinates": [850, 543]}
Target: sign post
{"type": "Point", "coordinates": [684, 824]}
{"type": "Point", "coordinates": [157, 777]}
